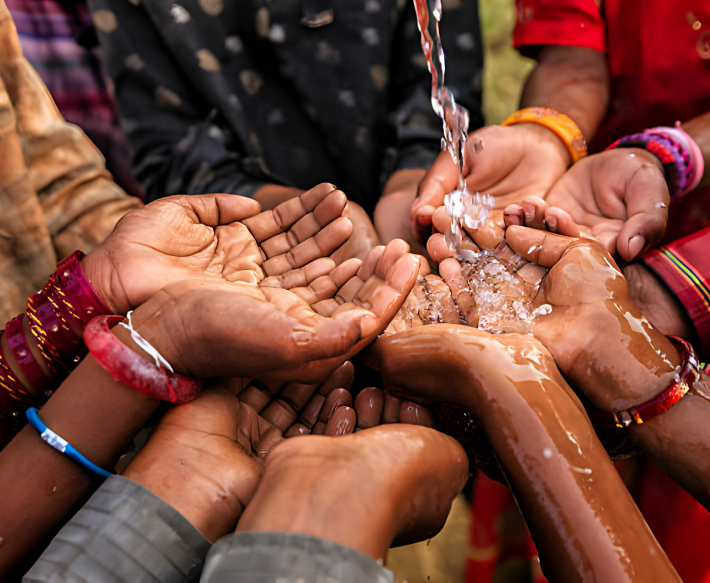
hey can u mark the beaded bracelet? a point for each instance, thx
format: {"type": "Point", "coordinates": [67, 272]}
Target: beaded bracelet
{"type": "Point", "coordinates": [558, 123]}
{"type": "Point", "coordinates": [680, 156]}
{"type": "Point", "coordinates": [153, 379]}
{"type": "Point", "coordinates": [61, 445]}
{"type": "Point", "coordinates": [687, 375]}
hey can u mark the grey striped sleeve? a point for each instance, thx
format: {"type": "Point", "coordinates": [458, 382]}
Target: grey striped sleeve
{"type": "Point", "coordinates": [280, 557]}
{"type": "Point", "coordinates": [123, 533]}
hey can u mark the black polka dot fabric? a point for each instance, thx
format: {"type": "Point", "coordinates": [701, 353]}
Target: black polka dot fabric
{"type": "Point", "coordinates": [231, 95]}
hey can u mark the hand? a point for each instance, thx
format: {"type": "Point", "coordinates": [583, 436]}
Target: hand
{"type": "Point", "coordinates": [619, 197]}
{"type": "Point", "coordinates": [516, 162]}
{"type": "Point", "coordinates": [598, 336]}
{"type": "Point", "coordinates": [392, 219]}
{"type": "Point", "coordinates": [205, 458]}
{"type": "Point", "coordinates": [213, 237]}
{"type": "Point", "coordinates": [207, 328]}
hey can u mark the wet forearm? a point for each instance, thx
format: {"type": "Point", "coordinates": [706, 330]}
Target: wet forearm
{"type": "Point", "coordinates": [573, 81]}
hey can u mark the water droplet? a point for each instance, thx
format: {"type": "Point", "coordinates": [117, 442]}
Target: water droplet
{"type": "Point", "coordinates": [48, 393]}
{"type": "Point", "coordinates": [77, 358]}
{"type": "Point", "coordinates": [547, 452]}
{"type": "Point", "coordinates": [55, 328]}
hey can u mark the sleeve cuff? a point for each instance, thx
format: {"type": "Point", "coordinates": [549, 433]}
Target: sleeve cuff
{"type": "Point", "coordinates": [688, 285]}
{"type": "Point", "coordinates": [545, 22]}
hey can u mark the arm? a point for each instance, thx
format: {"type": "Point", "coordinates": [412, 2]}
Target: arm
{"type": "Point", "coordinates": [581, 516]}
{"type": "Point", "coordinates": [573, 81]}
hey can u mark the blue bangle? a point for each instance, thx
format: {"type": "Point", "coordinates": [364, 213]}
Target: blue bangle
{"type": "Point", "coordinates": [60, 444]}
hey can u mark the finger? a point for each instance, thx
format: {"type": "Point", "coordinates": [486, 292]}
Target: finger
{"type": "Point", "coordinates": [559, 221]}
{"type": "Point", "coordinates": [647, 201]}
{"type": "Point", "coordinates": [442, 178]}
{"type": "Point", "coordinates": [490, 235]}
{"type": "Point", "coordinates": [341, 378]}
{"type": "Point", "coordinates": [440, 295]}
{"type": "Point", "coordinates": [369, 405]}
{"type": "Point", "coordinates": [450, 271]}
{"type": "Point", "coordinates": [370, 263]}
{"type": "Point", "coordinates": [255, 398]}
{"type": "Point", "coordinates": [310, 413]}
{"type": "Point", "coordinates": [217, 209]}
{"type": "Point", "coordinates": [341, 422]}
{"type": "Point", "coordinates": [441, 220]}
{"type": "Point", "coordinates": [537, 246]}
{"type": "Point", "coordinates": [327, 286]}
{"type": "Point", "coordinates": [297, 429]}
{"type": "Point", "coordinates": [438, 249]}
{"type": "Point", "coordinates": [268, 441]}
{"type": "Point", "coordinates": [415, 414]}
{"type": "Point", "coordinates": [424, 267]}
{"type": "Point", "coordinates": [336, 398]}
{"type": "Point", "coordinates": [323, 243]}
{"type": "Point", "coordinates": [514, 215]}
{"type": "Point", "coordinates": [534, 212]}
{"type": "Point", "coordinates": [297, 395]}
{"type": "Point", "coordinates": [270, 223]}
{"type": "Point", "coordinates": [390, 412]}
{"type": "Point", "coordinates": [280, 414]}
{"type": "Point", "coordinates": [393, 251]}
{"type": "Point", "coordinates": [302, 276]}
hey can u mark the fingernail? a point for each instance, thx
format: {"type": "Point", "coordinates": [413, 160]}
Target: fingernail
{"type": "Point", "coordinates": [341, 422]}
{"type": "Point", "coordinates": [552, 224]}
{"type": "Point", "coordinates": [636, 244]}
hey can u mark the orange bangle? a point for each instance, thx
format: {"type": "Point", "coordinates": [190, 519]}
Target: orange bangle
{"type": "Point", "coordinates": [562, 126]}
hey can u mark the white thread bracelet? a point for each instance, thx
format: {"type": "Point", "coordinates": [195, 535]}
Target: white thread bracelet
{"type": "Point", "coordinates": [145, 345]}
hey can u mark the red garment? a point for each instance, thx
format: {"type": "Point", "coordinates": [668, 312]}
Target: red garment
{"type": "Point", "coordinates": [659, 55]}
{"type": "Point", "coordinates": [684, 266]}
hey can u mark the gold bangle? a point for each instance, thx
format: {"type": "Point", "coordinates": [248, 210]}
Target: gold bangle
{"type": "Point", "coordinates": [561, 125]}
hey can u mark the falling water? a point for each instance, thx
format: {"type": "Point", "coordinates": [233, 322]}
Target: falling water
{"type": "Point", "coordinates": [465, 208]}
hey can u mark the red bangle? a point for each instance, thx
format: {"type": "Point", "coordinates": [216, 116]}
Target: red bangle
{"type": "Point", "coordinates": [687, 375]}
{"type": "Point", "coordinates": [127, 367]}
{"type": "Point", "coordinates": [15, 334]}
{"type": "Point", "coordinates": [60, 311]}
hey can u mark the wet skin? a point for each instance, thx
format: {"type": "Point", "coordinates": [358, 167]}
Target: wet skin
{"type": "Point", "coordinates": [583, 520]}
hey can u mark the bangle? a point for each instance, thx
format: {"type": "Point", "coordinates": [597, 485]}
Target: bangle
{"type": "Point", "coordinates": [15, 334]}
{"type": "Point", "coordinates": [560, 124]}
{"type": "Point", "coordinates": [680, 156]}
{"type": "Point", "coordinates": [59, 313]}
{"type": "Point", "coordinates": [61, 445]}
{"type": "Point", "coordinates": [688, 373]}
{"type": "Point", "coordinates": [127, 367]}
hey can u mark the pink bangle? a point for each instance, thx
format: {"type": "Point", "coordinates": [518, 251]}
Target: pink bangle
{"type": "Point", "coordinates": [15, 334]}
{"type": "Point", "coordinates": [127, 367]}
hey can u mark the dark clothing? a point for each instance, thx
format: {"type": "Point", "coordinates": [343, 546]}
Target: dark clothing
{"type": "Point", "coordinates": [126, 533]}
{"type": "Point", "coordinates": [230, 95]}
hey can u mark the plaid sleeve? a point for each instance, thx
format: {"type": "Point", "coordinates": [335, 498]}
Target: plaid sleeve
{"type": "Point", "coordinates": [684, 266]}
{"type": "Point", "coordinates": [575, 23]}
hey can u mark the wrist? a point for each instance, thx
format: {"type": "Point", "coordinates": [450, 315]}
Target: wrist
{"type": "Point", "coordinates": [542, 136]}
{"type": "Point", "coordinates": [101, 275]}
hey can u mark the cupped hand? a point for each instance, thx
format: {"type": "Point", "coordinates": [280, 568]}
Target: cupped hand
{"type": "Point", "coordinates": [205, 458]}
{"type": "Point", "coordinates": [210, 328]}
{"type": "Point", "coordinates": [213, 237]}
{"type": "Point", "coordinates": [618, 197]}
{"type": "Point", "coordinates": [515, 162]}
{"type": "Point", "coordinates": [597, 335]}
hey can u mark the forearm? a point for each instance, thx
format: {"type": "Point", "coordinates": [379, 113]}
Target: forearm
{"type": "Point", "coordinates": [573, 81]}
{"type": "Point", "coordinates": [581, 516]}
{"type": "Point", "coordinates": [392, 219]}
{"type": "Point", "coordinates": [699, 129]}
{"type": "Point", "coordinates": [95, 414]}
{"type": "Point", "coordinates": [679, 441]}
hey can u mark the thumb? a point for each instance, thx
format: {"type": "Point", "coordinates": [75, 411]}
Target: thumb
{"type": "Point", "coordinates": [442, 178]}
{"type": "Point", "coordinates": [646, 199]}
{"type": "Point", "coordinates": [540, 247]}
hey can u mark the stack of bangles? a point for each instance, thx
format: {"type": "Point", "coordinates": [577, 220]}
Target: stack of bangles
{"type": "Point", "coordinates": [680, 156]}
{"type": "Point", "coordinates": [688, 373]}
{"type": "Point", "coordinates": [65, 320]}
{"type": "Point", "coordinates": [46, 343]}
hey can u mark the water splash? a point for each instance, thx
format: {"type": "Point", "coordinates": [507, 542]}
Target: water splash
{"type": "Point", "coordinates": [465, 208]}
